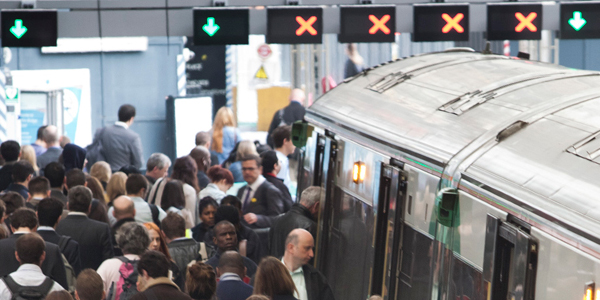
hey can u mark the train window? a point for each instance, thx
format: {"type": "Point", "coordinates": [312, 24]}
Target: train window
{"type": "Point", "coordinates": [510, 261]}
{"type": "Point", "coordinates": [409, 207]}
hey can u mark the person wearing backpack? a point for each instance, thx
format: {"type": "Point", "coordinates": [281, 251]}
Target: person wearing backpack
{"type": "Point", "coordinates": [28, 281]}
{"type": "Point", "coordinates": [154, 282]}
{"type": "Point", "coordinates": [119, 274]}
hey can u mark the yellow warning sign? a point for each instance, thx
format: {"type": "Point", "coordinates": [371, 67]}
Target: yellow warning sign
{"type": "Point", "coordinates": [261, 74]}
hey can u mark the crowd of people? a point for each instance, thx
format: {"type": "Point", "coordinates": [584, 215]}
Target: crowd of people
{"type": "Point", "coordinates": [85, 223]}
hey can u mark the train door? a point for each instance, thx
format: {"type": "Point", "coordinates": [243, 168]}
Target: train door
{"type": "Point", "coordinates": [390, 226]}
{"type": "Point", "coordinates": [324, 174]}
{"type": "Point", "coordinates": [510, 260]}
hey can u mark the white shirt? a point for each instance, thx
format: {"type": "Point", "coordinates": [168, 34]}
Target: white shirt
{"type": "Point", "coordinates": [284, 172]}
{"type": "Point", "coordinates": [228, 276]}
{"type": "Point", "coordinates": [46, 228]}
{"type": "Point", "coordinates": [213, 191]}
{"type": "Point", "coordinates": [143, 214]}
{"type": "Point", "coordinates": [298, 278]}
{"type": "Point", "coordinates": [122, 124]}
{"type": "Point", "coordinates": [253, 188]}
{"type": "Point", "coordinates": [26, 275]}
{"type": "Point", "coordinates": [109, 270]}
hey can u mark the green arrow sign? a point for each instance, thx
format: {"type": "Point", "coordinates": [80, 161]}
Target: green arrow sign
{"type": "Point", "coordinates": [577, 22]}
{"type": "Point", "coordinates": [18, 30]}
{"type": "Point", "coordinates": [210, 27]}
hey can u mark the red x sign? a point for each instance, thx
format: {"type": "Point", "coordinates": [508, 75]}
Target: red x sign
{"type": "Point", "coordinates": [306, 25]}
{"type": "Point", "coordinates": [452, 23]}
{"type": "Point", "coordinates": [379, 24]}
{"type": "Point", "coordinates": [525, 22]}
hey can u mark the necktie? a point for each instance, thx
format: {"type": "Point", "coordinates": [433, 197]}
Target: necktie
{"type": "Point", "coordinates": [248, 192]}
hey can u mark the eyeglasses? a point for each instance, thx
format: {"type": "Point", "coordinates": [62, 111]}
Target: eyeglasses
{"type": "Point", "coordinates": [248, 169]}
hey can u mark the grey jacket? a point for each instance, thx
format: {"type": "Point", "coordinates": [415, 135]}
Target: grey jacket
{"type": "Point", "coordinates": [51, 155]}
{"type": "Point", "coordinates": [120, 147]}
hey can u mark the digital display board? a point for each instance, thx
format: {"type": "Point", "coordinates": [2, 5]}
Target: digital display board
{"type": "Point", "coordinates": [29, 28]}
{"type": "Point", "coordinates": [580, 20]}
{"type": "Point", "coordinates": [440, 23]}
{"type": "Point", "coordinates": [294, 25]}
{"type": "Point", "coordinates": [514, 21]}
{"type": "Point", "coordinates": [367, 24]}
{"type": "Point", "coordinates": [220, 26]}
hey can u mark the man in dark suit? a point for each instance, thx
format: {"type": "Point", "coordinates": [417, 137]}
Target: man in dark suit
{"type": "Point", "coordinates": [94, 237]}
{"type": "Point", "coordinates": [55, 172]}
{"type": "Point", "coordinates": [261, 200]}
{"type": "Point", "coordinates": [53, 152]}
{"type": "Point", "coordinates": [231, 270]}
{"type": "Point", "coordinates": [271, 167]}
{"type": "Point", "coordinates": [310, 283]}
{"type": "Point", "coordinates": [22, 172]}
{"type": "Point", "coordinates": [23, 221]}
{"type": "Point", "coordinates": [49, 211]}
{"type": "Point", "coordinates": [10, 152]}
{"type": "Point", "coordinates": [302, 215]}
{"type": "Point", "coordinates": [121, 146]}
{"type": "Point", "coordinates": [289, 114]}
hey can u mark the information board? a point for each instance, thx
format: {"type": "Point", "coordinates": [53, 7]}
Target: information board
{"type": "Point", "coordinates": [29, 28]}
{"type": "Point", "coordinates": [214, 26]}
{"type": "Point", "coordinates": [294, 25]}
{"type": "Point", "coordinates": [580, 20]}
{"type": "Point", "coordinates": [441, 23]}
{"type": "Point", "coordinates": [514, 21]}
{"type": "Point", "coordinates": [367, 24]}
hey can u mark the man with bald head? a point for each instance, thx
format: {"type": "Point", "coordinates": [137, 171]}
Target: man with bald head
{"type": "Point", "coordinates": [231, 270]}
{"type": "Point", "coordinates": [203, 159]}
{"type": "Point", "coordinates": [288, 115]}
{"type": "Point", "coordinates": [225, 238]}
{"type": "Point", "coordinates": [50, 135]}
{"type": "Point", "coordinates": [310, 283]}
{"type": "Point", "coordinates": [124, 212]}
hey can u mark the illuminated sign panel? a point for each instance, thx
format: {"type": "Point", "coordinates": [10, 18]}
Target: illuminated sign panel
{"type": "Point", "coordinates": [441, 23]}
{"type": "Point", "coordinates": [220, 26]}
{"type": "Point", "coordinates": [29, 28]}
{"type": "Point", "coordinates": [514, 21]}
{"type": "Point", "coordinates": [367, 24]}
{"type": "Point", "coordinates": [294, 25]}
{"type": "Point", "coordinates": [580, 20]}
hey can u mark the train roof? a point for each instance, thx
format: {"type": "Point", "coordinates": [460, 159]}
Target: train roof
{"type": "Point", "coordinates": [531, 128]}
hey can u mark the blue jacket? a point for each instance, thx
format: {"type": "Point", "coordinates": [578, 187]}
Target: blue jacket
{"type": "Point", "coordinates": [231, 136]}
{"type": "Point", "coordinates": [233, 290]}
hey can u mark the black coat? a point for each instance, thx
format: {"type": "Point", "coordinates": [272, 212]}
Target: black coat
{"type": "Point", "coordinates": [267, 204]}
{"type": "Point", "coordinates": [71, 250]}
{"type": "Point", "coordinates": [6, 176]}
{"type": "Point", "coordinates": [285, 192]}
{"type": "Point", "coordinates": [94, 238]}
{"type": "Point", "coordinates": [298, 217]}
{"type": "Point", "coordinates": [183, 252]}
{"type": "Point", "coordinates": [52, 266]}
{"type": "Point", "coordinates": [291, 113]}
{"type": "Point", "coordinates": [317, 287]}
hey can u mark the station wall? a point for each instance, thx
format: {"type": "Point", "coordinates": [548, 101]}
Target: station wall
{"type": "Point", "coordinates": [580, 54]}
{"type": "Point", "coordinates": [142, 79]}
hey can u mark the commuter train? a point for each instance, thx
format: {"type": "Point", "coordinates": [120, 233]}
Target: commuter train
{"type": "Point", "coordinates": [457, 175]}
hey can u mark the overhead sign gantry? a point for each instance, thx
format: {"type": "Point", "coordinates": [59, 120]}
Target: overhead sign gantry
{"type": "Point", "coordinates": [441, 22]}
{"type": "Point", "coordinates": [29, 28]}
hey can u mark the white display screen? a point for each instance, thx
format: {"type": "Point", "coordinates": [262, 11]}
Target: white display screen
{"type": "Point", "coordinates": [191, 116]}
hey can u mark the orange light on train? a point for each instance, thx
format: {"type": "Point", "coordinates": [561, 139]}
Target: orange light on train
{"type": "Point", "coordinates": [589, 291]}
{"type": "Point", "coordinates": [359, 172]}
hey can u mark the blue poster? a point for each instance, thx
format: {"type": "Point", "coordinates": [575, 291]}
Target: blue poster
{"type": "Point", "coordinates": [71, 103]}
{"type": "Point", "coordinates": [31, 120]}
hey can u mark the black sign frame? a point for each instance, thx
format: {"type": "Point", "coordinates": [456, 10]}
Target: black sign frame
{"type": "Point", "coordinates": [234, 26]}
{"type": "Point", "coordinates": [282, 25]}
{"type": "Point", "coordinates": [502, 21]}
{"type": "Point", "coordinates": [41, 25]}
{"type": "Point", "coordinates": [355, 24]}
{"type": "Point", "coordinates": [428, 22]}
{"type": "Point", "coordinates": [590, 11]}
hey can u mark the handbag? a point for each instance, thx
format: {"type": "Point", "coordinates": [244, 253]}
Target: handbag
{"type": "Point", "coordinates": [94, 150]}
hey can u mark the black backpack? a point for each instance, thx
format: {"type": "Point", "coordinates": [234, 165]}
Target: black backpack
{"type": "Point", "coordinates": [20, 292]}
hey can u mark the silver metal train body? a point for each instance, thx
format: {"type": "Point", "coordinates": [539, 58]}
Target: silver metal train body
{"type": "Point", "coordinates": [458, 175]}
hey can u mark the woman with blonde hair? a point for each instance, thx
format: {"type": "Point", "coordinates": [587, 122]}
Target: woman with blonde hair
{"type": "Point", "coordinates": [28, 154]}
{"type": "Point", "coordinates": [101, 170]}
{"type": "Point", "coordinates": [116, 186]}
{"type": "Point", "coordinates": [273, 280]}
{"type": "Point", "coordinates": [224, 134]}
